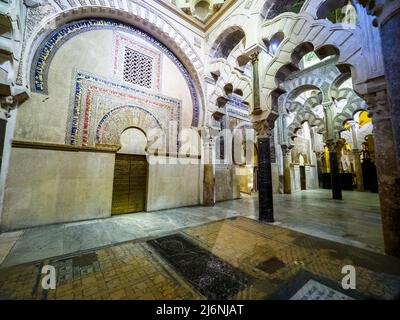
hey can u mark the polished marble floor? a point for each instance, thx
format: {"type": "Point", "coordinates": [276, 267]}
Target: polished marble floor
{"type": "Point", "coordinates": [236, 258]}
{"type": "Point", "coordinates": [209, 253]}
{"type": "Point", "coordinates": [355, 221]}
{"type": "Point", "coordinates": [56, 240]}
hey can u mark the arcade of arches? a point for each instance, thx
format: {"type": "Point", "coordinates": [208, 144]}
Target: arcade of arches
{"type": "Point", "coordinates": [283, 111]}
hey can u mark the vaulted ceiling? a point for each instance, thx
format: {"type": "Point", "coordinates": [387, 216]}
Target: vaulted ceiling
{"type": "Point", "coordinates": [202, 10]}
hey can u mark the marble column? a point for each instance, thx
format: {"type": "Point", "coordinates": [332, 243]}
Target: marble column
{"type": "Point", "coordinates": [356, 151]}
{"type": "Point", "coordinates": [264, 177]}
{"type": "Point", "coordinates": [254, 58]}
{"type": "Point", "coordinates": [6, 105]}
{"type": "Point", "coordinates": [389, 22]}
{"type": "Point", "coordinates": [209, 174]}
{"type": "Point", "coordinates": [335, 175]}
{"type": "Point", "coordinates": [358, 170]}
{"type": "Point", "coordinates": [3, 126]}
{"type": "Point", "coordinates": [318, 156]}
{"type": "Point", "coordinates": [387, 13]}
{"type": "Point", "coordinates": [287, 181]}
{"type": "Point", "coordinates": [386, 166]}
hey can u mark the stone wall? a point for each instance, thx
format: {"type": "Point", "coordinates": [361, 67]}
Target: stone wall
{"type": "Point", "coordinates": [82, 97]}
{"type": "Point", "coordinates": [46, 186]}
{"type": "Point", "coordinates": [226, 183]}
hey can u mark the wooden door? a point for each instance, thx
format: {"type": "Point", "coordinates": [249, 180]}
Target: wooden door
{"type": "Point", "coordinates": [130, 184]}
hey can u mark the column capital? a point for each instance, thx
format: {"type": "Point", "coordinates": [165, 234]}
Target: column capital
{"type": "Point", "coordinates": [332, 145]}
{"type": "Point", "coordinates": [254, 57]}
{"type": "Point", "coordinates": [378, 106]}
{"type": "Point", "coordinates": [7, 103]}
{"type": "Point", "coordinates": [286, 150]}
{"type": "Point", "coordinates": [353, 123]}
{"type": "Point", "coordinates": [262, 129]}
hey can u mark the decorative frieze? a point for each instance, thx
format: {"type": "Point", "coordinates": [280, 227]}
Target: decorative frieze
{"type": "Point", "coordinates": [101, 109]}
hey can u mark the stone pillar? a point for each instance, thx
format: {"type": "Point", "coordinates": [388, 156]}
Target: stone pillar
{"type": "Point", "coordinates": [387, 13]}
{"type": "Point", "coordinates": [335, 175]}
{"type": "Point", "coordinates": [287, 181]}
{"type": "Point", "coordinates": [358, 170]}
{"type": "Point", "coordinates": [356, 151]}
{"type": "Point", "coordinates": [209, 173]}
{"type": "Point", "coordinates": [254, 58]}
{"type": "Point", "coordinates": [389, 22]}
{"type": "Point", "coordinates": [3, 126]}
{"type": "Point", "coordinates": [264, 177]}
{"type": "Point", "coordinates": [318, 156]}
{"type": "Point", "coordinates": [386, 166]}
{"type": "Point", "coordinates": [6, 104]}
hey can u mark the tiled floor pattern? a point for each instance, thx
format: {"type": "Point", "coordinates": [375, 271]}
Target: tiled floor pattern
{"type": "Point", "coordinates": [270, 256]}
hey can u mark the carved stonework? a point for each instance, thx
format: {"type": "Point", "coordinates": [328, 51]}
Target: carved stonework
{"type": "Point", "coordinates": [286, 151]}
{"type": "Point", "coordinates": [383, 10]}
{"type": "Point", "coordinates": [35, 15]}
{"type": "Point", "coordinates": [262, 129]}
{"type": "Point", "coordinates": [254, 57]}
{"type": "Point", "coordinates": [6, 104]}
{"type": "Point", "coordinates": [378, 106]}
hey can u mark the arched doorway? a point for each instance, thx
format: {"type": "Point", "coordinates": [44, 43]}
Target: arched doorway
{"type": "Point", "coordinates": [130, 174]}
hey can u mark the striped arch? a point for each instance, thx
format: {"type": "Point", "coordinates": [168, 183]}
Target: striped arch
{"type": "Point", "coordinates": [234, 22]}
{"type": "Point", "coordinates": [348, 112]}
{"type": "Point", "coordinates": [228, 74]}
{"type": "Point", "coordinates": [319, 35]}
{"type": "Point", "coordinates": [312, 103]}
{"type": "Point", "coordinates": [308, 81]}
{"type": "Point", "coordinates": [345, 93]}
{"type": "Point", "coordinates": [302, 117]}
{"type": "Point", "coordinates": [338, 81]}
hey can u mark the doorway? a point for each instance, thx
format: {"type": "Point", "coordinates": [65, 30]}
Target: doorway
{"type": "Point", "coordinates": [130, 184]}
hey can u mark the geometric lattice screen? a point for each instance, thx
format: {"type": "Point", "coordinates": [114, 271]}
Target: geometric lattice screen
{"type": "Point", "coordinates": [138, 68]}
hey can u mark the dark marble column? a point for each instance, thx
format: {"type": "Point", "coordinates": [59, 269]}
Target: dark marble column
{"type": "Point", "coordinates": [390, 36]}
{"type": "Point", "coordinates": [209, 178]}
{"type": "Point", "coordinates": [386, 166]}
{"type": "Point", "coordinates": [335, 175]}
{"type": "Point", "coordinates": [318, 155]}
{"type": "Point", "coordinates": [287, 181]}
{"type": "Point", "coordinates": [264, 179]}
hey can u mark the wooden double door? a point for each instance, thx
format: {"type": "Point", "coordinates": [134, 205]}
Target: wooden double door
{"type": "Point", "coordinates": [130, 184]}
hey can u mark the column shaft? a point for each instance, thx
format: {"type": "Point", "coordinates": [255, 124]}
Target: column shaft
{"type": "Point", "coordinates": [264, 180]}
{"type": "Point", "coordinates": [335, 175]}
{"type": "Point", "coordinates": [287, 181]}
{"type": "Point", "coordinates": [386, 166]}
{"type": "Point", "coordinates": [209, 178]}
{"type": "Point", "coordinates": [358, 170]}
{"type": "Point", "coordinates": [390, 35]}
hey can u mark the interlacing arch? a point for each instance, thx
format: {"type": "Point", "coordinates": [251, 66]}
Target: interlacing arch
{"type": "Point", "coordinates": [300, 118]}
{"type": "Point", "coordinates": [348, 112]}
{"type": "Point", "coordinates": [303, 34]}
{"type": "Point", "coordinates": [225, 72]}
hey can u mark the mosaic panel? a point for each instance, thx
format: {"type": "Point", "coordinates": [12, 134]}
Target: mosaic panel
{"type": "Point", "coordinates": [136, 63]}
{"type": "Point", "coordinates": [101, 109]}
{"type": "Point", "coordinates": [55, 40]}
